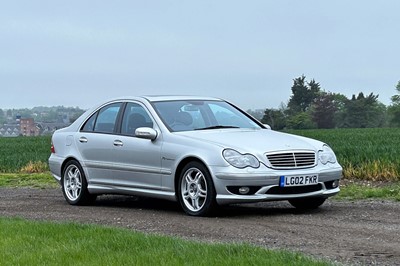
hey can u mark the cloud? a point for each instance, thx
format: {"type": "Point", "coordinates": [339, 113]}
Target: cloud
{"type": "Point", "coordinates": [62, 30]}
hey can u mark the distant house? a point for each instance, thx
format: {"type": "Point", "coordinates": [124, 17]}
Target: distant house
{"type": "Point", "coordinates": [28, 127]}
{"type": "Point", "coordinates": [10, 130]}
{"type": "Point", "coordinates": [49, 128]}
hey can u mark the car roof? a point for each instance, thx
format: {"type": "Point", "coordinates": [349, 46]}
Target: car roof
{"type": "Point", "coordinates": [161, 98]}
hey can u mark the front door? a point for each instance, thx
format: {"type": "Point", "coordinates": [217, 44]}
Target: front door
{"type": "Point", "coordinates": [137, 162]}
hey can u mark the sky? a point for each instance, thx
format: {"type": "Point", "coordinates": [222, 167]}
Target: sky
{"type": "Point", "coordinates": [80, 53]}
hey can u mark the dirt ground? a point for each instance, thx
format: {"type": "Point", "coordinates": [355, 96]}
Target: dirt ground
{"type": "Point", "coordinates": [350, 232]}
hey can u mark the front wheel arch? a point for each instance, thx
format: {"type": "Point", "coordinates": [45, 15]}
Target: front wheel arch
{"type": "Point", "coordinates": [195, 190]}
{"type": "Point", "coordinates": [179, 169]}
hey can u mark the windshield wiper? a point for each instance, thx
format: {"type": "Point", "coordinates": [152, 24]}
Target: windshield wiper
{"type": "Point", "coordinates": [215, 127]}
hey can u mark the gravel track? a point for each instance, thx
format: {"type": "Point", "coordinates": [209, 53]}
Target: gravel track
{"type": "Point", "coordinates": [349, 232]}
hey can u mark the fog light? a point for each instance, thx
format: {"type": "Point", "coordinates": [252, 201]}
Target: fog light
{"type": "Point", "coordinates": [335, 184]}
{"type": "Point", "coordinates": [244, 190]}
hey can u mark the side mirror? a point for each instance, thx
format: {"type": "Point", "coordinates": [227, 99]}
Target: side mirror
{"type": "Point", "coordinates": [267, 126]}
{"type": "Point", "coordinates": [146, 133]}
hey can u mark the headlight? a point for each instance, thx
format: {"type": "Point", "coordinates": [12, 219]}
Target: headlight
{"type": "Point", "coordinates": [326, 155]}
{"type": "Point", "coordinates": [239, 160]}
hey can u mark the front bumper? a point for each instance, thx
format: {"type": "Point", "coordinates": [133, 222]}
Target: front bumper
{"type": "Point", "coordinates": [264, 184]}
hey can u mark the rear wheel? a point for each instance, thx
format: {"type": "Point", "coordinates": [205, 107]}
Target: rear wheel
{"type": "Point", "coordinates": [307, 203]}
{"type": "Point", "coordinates": [196, 192]}
{"type": "Point", "coordinates": [74, 185]}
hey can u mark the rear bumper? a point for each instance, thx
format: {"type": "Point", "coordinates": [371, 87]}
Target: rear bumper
{"type": "Point", "coordinates": [55, 164]}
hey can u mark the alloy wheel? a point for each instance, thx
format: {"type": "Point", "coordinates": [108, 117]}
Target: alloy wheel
{"type": "Point", "coordinates": [194, 189]}
{"type": "Point", "coordinates": [72, 182]}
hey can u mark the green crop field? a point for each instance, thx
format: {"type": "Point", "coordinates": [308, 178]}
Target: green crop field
{"type": "Point", "coordinates": [364, 153]}
{"type": "Point", "coordinates": [17, 153]}
{"type": "Point", "coordinates": [367, 154]}
{"type": "Point", "coordinates": [370, 153]}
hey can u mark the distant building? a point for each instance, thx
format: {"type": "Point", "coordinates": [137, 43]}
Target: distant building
{"type": "Point", "coordinates": [28, 127]}
{"type": "Point", "coordinates": [49, 128]}
{"type": "Point", "coordinates": [10, 130]}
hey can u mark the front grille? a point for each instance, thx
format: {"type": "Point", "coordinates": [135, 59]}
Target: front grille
{"type": "Point", "coordinates": [291, 160]}
{"type": "Point", "coordinates": [293, 190]}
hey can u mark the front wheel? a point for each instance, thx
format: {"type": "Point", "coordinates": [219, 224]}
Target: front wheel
{"type": "Point", "coordinates": [74, 185]}
{"type": "Point", "coordinates": [307, 203]}
{"type": "Point", "coordinates": [196, 192]}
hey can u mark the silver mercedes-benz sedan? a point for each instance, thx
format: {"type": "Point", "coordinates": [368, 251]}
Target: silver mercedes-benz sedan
{"type": "Point", "coordinates": [199, 151]}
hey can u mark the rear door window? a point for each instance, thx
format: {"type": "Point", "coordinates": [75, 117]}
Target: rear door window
{"type": "Point", "coordinates": [104, 120]}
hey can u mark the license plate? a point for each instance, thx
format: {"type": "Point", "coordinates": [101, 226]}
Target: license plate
{"type": "Point", "coordinates": [298, 180]}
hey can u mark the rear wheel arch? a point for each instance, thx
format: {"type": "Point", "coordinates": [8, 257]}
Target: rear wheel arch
{"type": "Point", "coordinates": [66, 161]}
{"type": "Point", "coordinates": [74, 184]}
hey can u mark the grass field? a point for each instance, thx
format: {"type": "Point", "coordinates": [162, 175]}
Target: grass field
{"type": "Point", "coordinates": [41, 243]}
{"type": "Point", "coordinates": [369, 154]}
{"type": "Point", "coordinates": [364, 153]}
{"type": "Point", "coordinates": [17, 153]}
{"type": "Point", "coordinates": [348, 190]}
{"type": "Point", "coordinates": [33, 180]}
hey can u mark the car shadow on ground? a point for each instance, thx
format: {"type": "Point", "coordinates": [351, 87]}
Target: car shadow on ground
{"type": "Point", "coordinates": [133, 202]}
{"type": "Point", "coordinates": [234, 210]}
{"type": "Point", "coordinates": [264, 209]}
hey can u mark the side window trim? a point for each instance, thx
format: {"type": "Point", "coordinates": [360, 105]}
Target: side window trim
{"type": "Point", "coordinates": [118, 119]}
{"type": "Point", "coordinates": [145, 109]}
{"type": "Point", "coordinates": [95, 114]}
{"type": "Point", "coordinates": [118, 123]}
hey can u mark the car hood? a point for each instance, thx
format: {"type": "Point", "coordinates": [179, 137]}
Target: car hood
{"type": "Point", "coordinates": [262, 141]}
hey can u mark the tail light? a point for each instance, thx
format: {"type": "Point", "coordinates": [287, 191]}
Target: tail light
{"type": "Point", "coordinates": [52, 148]}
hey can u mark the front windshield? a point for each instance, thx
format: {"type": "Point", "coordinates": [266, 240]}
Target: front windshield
{"type": "Point", "coordinates": [202, 115]}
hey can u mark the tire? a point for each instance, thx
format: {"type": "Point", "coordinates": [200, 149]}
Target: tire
{"type": "Point", "coordinates": [307, 203]}
{"type": "Point", "coordinates": [74, 185]}
{"type": "Point", "coordinates": [196, 192]}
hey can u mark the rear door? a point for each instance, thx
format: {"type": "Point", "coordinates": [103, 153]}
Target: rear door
{"type": "Point", "coordinates": [96, 142]}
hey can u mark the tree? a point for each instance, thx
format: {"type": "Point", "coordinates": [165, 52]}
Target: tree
{"type": "Point", "coordinates": [303, 94]}
{"type": "Point", "coordinates": [396, 98]}
{"type": "Point", "coordinates": [257, 114]}
{"type": "Point", "coordinates": [323, 111]}
{"type": "Point", "coordinates": [394, 108]}
{"type": "Point", "coordinates": [362, 112]}
{"type": "Point", "coordinates": [299, 111]}
{"type": "Point", "coordinates": [300, 120]}
{"type": "Point", "coordinates": [3, 118]}
{"type": "Point", "coordinates": [275, 118]}
{"type": "Point", "coordinates": [340, 104]}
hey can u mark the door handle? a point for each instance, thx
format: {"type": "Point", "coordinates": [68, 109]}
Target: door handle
{"type": "Point", "coordinates": [83, 140]}
{"type": "Point", "coordinates": [118, 143]}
